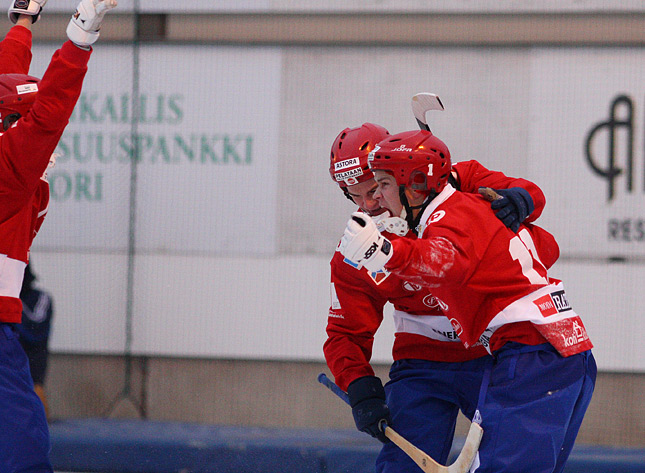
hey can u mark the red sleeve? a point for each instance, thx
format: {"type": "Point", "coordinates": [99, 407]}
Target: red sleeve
{"type": "Point", "coordinates": [25, 149]}
{"type": "Point", "coordinates": [15, 51]}
{"type": "Point", "coordinates": [355, 314]}
{"type": "Point", "coordinates": [429, 261]}
{"type": "Point", "coordinates": [471, 175]}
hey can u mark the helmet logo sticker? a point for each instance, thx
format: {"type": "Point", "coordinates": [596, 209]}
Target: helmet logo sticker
{"type": "Point", "coordinates": [26, 88]}
{"type": "Point", "coordinates": [370, 156]}
{"type": "Point", "coordinates": [351, 174]}
{"type": "Point", "coordinates": [403, 148]}
{"type": "Point", "coordinates": [347, 163]}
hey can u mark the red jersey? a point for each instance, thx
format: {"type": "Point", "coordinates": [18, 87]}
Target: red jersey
{"type": "Point", "coordinates": [25, 151]}
{"type": "Point", "coordinates": [492, 281]}
{"type": "Point", "coordinates": [421, 329]}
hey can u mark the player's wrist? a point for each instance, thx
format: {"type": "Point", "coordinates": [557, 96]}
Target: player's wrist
{"type": "Point", "coordinates": [25, 8]}
{"type": "Point", "coordinates": [381, 255]}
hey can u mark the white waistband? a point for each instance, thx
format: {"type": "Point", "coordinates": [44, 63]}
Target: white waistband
{"type": "Point", "coordinates": [436, 327]}
{"type": "Point", "coordinates": [548, 309]}
{"type": "Point", "coordinates": [546, 305]}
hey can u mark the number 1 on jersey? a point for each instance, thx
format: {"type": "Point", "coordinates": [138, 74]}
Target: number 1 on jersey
{"type": "Point", "coordinates": [522, 250]}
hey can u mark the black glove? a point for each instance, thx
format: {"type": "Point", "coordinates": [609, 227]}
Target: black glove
{"type": "Point", "coordinates": [515, 205]}
{"type": "Point", "coordinates": [367, 398]}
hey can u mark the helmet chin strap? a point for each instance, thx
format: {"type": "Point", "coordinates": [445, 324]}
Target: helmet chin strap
{"type": "Point", "coordinates": [407, 211]}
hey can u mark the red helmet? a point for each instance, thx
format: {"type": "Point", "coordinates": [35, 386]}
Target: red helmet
{"type": "Point", "coordinates": [348, 164]}
{"type": "Point", "coordinates": [417, 159]}
{"type": "Point", "coordinates": [17, 95]}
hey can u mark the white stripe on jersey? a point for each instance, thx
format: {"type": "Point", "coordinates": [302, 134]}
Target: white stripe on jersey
{"type": "Point", "coordinates": [11, 273]}
{"type": "Point", "coordinates": [437, 327]}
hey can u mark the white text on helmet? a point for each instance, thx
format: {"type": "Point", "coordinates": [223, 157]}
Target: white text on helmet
{"type": "Point", "coordinates": [402, 148]}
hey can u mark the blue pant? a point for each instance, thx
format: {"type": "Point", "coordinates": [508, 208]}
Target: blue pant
{"type": "Point", "coordinates": [532, 402]}
{"type": "Point", "coordinates": [424, 398]}
{"type": "Point", "coordinates": [24, 434]}
{"type": "Point", "coordinates": [534, 406]}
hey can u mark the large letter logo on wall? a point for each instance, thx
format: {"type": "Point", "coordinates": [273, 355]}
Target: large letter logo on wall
{"type": "Point", "coordinates": [612, 170]}
{"type": "Point", "coordinates": [618, 161]}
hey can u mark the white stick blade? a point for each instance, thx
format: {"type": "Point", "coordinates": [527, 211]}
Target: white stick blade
{"type": "Point", "coordinates": [424, 101]}
{"type": "Point", "coordinates": [467, 456]}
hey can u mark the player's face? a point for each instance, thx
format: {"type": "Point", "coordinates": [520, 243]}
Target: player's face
{"type": "Point", "coordinates": [363, 195]}
{"type": "Point", "coordinates": [387, 192]}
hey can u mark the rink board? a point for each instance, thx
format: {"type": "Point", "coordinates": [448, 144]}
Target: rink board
{"type": "Point", "coordinates": [132, 446]}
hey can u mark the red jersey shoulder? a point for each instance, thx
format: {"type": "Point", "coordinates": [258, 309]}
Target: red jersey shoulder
{"type": "Point", "coordinates": [462, 215]}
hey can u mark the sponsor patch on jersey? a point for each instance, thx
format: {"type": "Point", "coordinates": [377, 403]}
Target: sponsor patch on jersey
{"type": "Point", "coordinates": [553, 303]}
{"type": "Point", "coordinates": [438, 215]}
{"type": "Point", "coordinates": [335, 303]}
{"type": "Point", "coordinates": [379, 276]}
{"type": "Point", "coordinates": [457, 326]}
{"type": "Point", "coordinates": [408, 286]}
{"type": "Point", "coordinates": [568, 336]}
{"type": "Point", "coordinates": [26, 88]}
{"type": "Point", "coordinates": [432, 302]}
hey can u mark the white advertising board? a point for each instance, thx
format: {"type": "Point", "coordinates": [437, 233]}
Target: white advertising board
{"type": "Point", "coordinates": [206, 146]}
{"type": "Point", "coordinates": [587, 141]}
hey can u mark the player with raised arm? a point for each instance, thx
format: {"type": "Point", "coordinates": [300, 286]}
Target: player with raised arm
{"type": "Point", "coordinates": [34, 114]}
{"type": "Point", "coordinates": [433, 375]}
{"type": "Point", "coordinates": [494, 287]}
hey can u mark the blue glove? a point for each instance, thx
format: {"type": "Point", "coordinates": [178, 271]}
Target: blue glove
{"type": "Point", "coordinates": [515, 205]}
{"type": "Point", "coordinates": [371, 414]}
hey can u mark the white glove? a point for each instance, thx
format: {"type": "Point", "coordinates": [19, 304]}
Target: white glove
{"type": "Point", "coordinates": [363, 244]}
{"type": "Point", "coordinates": [83, 28]}
{"type": "Point", "coordinates": [26, 7]}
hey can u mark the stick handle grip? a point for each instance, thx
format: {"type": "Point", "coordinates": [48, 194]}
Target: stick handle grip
{"type": "Point", "coordinates": [333, 387]}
